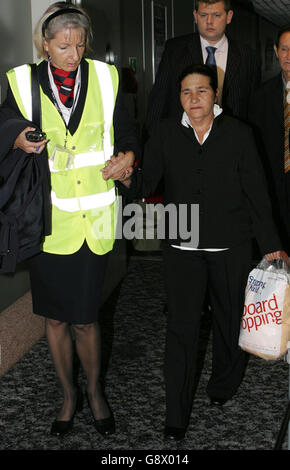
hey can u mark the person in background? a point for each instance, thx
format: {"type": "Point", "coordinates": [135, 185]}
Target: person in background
{"type": "Point", "coordinates": [85, 124]}
{"type": "Point", "coordinates": [237, 65]}
{"type": "Point", "coordinates": [209, 160]}
{"type": "Point", "coordinates": [270, 115]}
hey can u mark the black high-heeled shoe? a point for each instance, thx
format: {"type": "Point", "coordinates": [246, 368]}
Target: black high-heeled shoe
{"type": "Point", "coordinates": [105, 426]}
{"type": "Point", "coordinates": [59, 428]}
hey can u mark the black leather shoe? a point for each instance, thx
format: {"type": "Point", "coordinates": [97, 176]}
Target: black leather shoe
{"type": "Point", "coordinates": [217, 401]}
{"type": "Point", "coordinates": [174, 434]}
{"type": "Point", "coordinates": [60, 428]}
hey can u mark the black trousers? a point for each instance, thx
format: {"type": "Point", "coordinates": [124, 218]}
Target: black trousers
{"type": "Point", "coordinates": [188, 275]}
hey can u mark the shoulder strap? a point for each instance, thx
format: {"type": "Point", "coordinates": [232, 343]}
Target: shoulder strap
{"type": "Point", "coordinates": [35, 95]}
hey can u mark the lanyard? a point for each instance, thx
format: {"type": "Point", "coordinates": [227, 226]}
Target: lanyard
{"type": "Point", "coordinates": [63, 111]}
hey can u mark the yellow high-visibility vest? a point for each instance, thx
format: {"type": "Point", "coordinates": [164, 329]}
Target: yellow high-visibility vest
{"type": "Point", "coordinates": [84, 206]}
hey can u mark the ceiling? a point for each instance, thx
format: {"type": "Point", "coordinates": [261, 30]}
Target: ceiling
{"type": "Point", "coordinates": [276, 11]}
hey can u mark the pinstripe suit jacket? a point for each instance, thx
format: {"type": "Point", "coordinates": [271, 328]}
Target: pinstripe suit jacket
{"type": "Point", "coordinates": [267, 115]}
{"type": "Point", "coordinates": [241, 78]}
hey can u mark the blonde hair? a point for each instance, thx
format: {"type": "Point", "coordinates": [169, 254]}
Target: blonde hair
{"type": "Point", "coordinates": [67, 19]}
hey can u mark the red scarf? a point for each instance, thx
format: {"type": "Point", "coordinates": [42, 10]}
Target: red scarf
{"type": "Point", "coordinates": [65, 82]}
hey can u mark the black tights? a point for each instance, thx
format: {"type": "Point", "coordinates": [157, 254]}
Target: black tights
{"type": "Point", "coordinates": [88, 347]}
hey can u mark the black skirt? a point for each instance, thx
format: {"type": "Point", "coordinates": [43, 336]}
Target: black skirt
{"type": "Point", "coordinates": [68, 288]}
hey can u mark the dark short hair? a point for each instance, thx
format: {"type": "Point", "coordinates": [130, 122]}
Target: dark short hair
{"type": "Point", "coordinates": [200, 69]}
{"type": "Point", "coordinates": [227, 3]}
{"type": "Point", "coordinates": [284, 29]}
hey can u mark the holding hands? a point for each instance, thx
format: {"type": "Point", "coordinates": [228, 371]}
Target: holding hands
{"type": "Point", "coordinates": [119, 168]}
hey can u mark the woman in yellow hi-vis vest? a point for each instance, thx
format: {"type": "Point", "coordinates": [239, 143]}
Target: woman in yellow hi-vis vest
{"type": "Point", "coordinates": [85, 124]}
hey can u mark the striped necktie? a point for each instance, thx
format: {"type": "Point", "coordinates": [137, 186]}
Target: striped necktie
{"type": "Point", "coordinates": [287, 128]}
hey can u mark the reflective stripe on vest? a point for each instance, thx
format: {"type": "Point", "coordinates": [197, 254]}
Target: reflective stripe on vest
{"type": "Point", "coordinates": [84, 203]}
{"type": "Point", "coordinates": [23, 79]}
{"type": "Point", "coordinates": [81, 160]}
{"type": "Point", "coordinates": [107, 90]}
{"type": "Point", "coordinates": [108, 98]}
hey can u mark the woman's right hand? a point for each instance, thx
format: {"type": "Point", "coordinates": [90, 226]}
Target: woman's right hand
{"type": "Point", "coordinates": [27, 146]}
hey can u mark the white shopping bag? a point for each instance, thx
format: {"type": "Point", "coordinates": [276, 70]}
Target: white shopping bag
{"type": "Point", "coordinates": [265, 325]}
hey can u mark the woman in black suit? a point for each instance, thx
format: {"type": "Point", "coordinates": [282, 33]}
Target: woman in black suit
{"type": "Point", "coordinates": [208, 160]}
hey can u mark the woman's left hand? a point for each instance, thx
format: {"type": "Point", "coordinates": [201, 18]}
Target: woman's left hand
{"type": "Point", "coordinates": [119, 168]}
{"type": "Point", "coordinates": [275, 255]}
{"type": "Point", "coordinates": [27, 146]}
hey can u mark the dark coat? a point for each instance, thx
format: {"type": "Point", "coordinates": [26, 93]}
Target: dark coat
{"type": "Point", "coordinates": [242, 77]}
{"type": "Point", "coordinates": [25, 210]}
{"type": "Point", "coordinates": [267, 115]}
{"type": "Point", "coordinates": [224, 176]}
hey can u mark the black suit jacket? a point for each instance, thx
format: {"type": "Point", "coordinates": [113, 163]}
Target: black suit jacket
{"type": "Point", "coordinates": [224, 176]}
{"type": "Point", "coordinates": [267, 115]}
{"type": "Point", "coordinates": [241, 78]}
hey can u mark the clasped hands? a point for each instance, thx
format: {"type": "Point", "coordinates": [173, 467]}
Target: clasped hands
{"type": "Point", "coordinates": [119, 168]}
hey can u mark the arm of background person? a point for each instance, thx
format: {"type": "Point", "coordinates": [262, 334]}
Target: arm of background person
{"type": "Point", "coordinates": [127, 149]}
{"type": "Point", "coordinates": [255, 188]}
{"type": "Point", "coordinates": [144, 181]}
{"type": "Point", "coordinates": [255, 74]}
{"type": "Point", "coordinates": [157, 105]}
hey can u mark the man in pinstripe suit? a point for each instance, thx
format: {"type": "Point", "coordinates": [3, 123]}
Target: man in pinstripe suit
{"type": "Point", "coordinates": [267, 114]}
{"type": "Point", "coordinates": [238, 66]}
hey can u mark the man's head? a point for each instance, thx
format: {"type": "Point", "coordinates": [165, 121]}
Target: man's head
{"type": "Point", "coordinates": [282, 50]}
{"type": "Point", "coordinates": [227, 3]}
{"type": "Point", "coordinates": [212, 17]}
